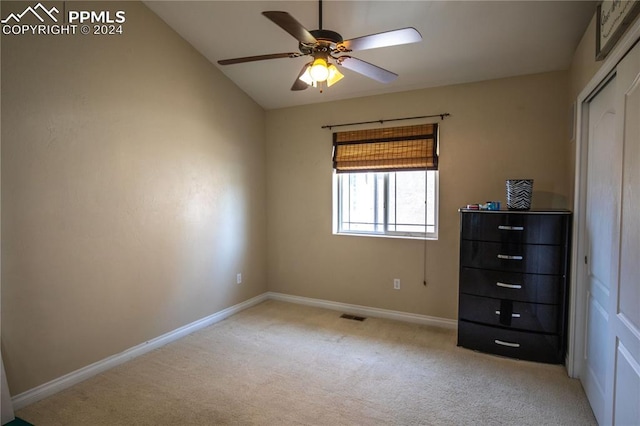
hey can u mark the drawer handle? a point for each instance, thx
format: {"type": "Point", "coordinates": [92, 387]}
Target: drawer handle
{"type": "Point", "coordinates": [509, 257]}
{"type": "Point", "coordinates": [511, 228]}
{"type": "Point", "coordinates": [509, 344]}
{"type": "Point", "coordinates": [515, 286]}
{"type": "Point", "coordinates": [512, 315]}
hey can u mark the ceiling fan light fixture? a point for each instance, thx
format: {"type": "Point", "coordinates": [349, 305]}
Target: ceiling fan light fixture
{"type": "Point", "coordinates": [331, 71]}
{"type": "Point", "coordinates": [334, 75]}
{"type": "Point", "coordinates": [306, 76]}
{"type": "Point", "coordinates": [319, 70]}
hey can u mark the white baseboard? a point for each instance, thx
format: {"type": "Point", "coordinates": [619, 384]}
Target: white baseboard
{"type": "Point", "coordinates": [366, 311]}
{"type": "Point", "coordinates": [47, 389]}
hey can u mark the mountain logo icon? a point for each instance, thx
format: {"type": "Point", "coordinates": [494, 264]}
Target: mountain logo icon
{"type": "Point", "coordinates": [34, 11]}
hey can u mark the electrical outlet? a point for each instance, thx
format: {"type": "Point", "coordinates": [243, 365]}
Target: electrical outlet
{"type": "Point", "coordinates": [396, 283]}
{"type": "Point", "coordinates": [239, 279]}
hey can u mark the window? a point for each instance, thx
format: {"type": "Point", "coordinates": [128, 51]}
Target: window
{"type": "Point", "coordinates": [387, 181]}
{"type": "Point", "coordinates": [387, 203]}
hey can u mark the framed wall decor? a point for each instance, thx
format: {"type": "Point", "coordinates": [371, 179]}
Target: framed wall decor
{"type": "Point", "coordinates": [613, 18]}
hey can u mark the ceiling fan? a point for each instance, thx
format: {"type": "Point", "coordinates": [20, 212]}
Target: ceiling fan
{"type": "Point", "coordinates": [327, 47]}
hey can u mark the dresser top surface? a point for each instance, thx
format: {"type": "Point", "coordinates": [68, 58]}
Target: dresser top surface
{"type": "Point", "coordinates": [531, 211]}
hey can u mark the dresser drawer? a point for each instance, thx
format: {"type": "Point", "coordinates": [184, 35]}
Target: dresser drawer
{"type": "Point", "coordinates": [512, 285]}
{"type": "Point", "coordinates": [507, 313]}
{"type": "Point", "coordinates": [515, 344]}
{"type": "Point", "coordinates": [514, 228]}
{"type": "Point", "coordinates": [523, 258]}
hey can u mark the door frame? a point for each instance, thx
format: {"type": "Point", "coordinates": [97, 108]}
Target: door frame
{"type": "Point", "coordinates": [578, 293]}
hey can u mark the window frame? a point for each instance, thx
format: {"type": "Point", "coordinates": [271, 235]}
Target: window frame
{"type": "Point", "coordinates": [385, 233]}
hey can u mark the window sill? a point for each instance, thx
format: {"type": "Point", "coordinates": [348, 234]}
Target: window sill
{"type": "Point", "coordinates": [397, 237]}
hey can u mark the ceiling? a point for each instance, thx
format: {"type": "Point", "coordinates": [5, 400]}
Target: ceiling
{"type": "Point", "coordinates": [463, 41]}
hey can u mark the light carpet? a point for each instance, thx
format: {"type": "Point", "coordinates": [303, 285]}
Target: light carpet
{"type": "Point", "coordinates": [282, 364]}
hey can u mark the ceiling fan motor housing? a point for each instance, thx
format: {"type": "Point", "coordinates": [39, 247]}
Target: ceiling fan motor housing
{"type": "Point", "coordinates": [327, 41]}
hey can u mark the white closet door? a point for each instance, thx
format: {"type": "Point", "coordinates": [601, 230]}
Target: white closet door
{"type": "Point", "coordinates": [611, 355]}
{"type": "Point", "coordinates": [602, 231]}
{"type": "Point", "coordinates": [625, 296]}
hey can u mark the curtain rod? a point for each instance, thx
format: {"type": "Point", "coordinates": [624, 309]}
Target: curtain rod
{"type": "Point", "coordinates": [442, 117]}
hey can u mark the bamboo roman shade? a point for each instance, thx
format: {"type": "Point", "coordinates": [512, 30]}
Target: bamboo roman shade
{"type": "Point", "coordinates": [384, 150]}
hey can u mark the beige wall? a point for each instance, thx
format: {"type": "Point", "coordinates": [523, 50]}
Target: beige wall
{"type": "Point", "coordinates": [583, 67]}
{"type": "Point", "coordinates": [508, 128]}
{"type": "Point", "coordinates": [133, 191]}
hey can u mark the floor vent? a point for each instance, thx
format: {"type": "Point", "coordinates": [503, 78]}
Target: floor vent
{"type": "Point", "coordinates": [352, 317]}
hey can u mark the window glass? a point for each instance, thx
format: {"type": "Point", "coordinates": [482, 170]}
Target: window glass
{"type": "Point", "coordinates": [394, 203]}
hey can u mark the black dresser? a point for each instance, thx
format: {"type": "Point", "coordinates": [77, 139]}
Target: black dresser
{"type": "Point", "coordinates": [514, 278]}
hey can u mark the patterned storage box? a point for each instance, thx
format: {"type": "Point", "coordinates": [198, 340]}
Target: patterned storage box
{"type": "Point", "coordinates": [519, 193]}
